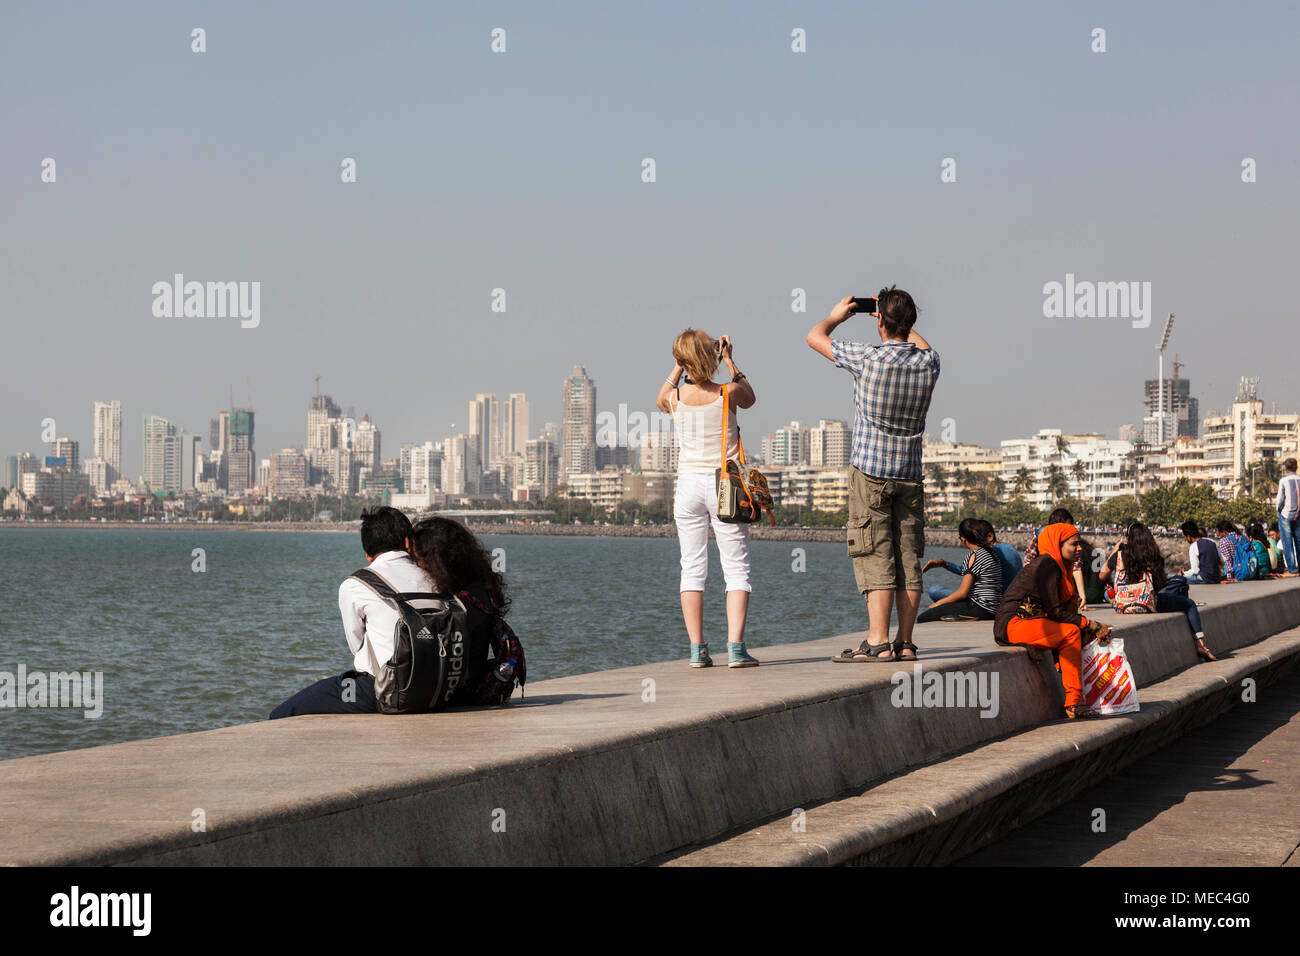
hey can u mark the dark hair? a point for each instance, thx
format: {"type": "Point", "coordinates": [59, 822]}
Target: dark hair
{"type": "Point", "coordinates": [976, 532]}
{"type": "Point", "coordinates": [984, 528]}
{"type": "Point", "coordinates": [1256, 533]}
{"type": "Point", "coordinates": [1225, 526]}
{"type": "Point", "coordinates": [897, 311]}
{"type": "Point", "coordinates": [1190, 528]}
{"type": "Point", "coordinates": [1142, 555]}
{"type": "Point", "coordinates": [384, 529]}
{"type": "Point", "coordinates": [454, 558]}
{"type": "Point", "coordinates": [1060, 516]}
{"type": "Point", "coordinates": [1272, 526]}
{"type": "Point", "coordinates": [1290, 464]}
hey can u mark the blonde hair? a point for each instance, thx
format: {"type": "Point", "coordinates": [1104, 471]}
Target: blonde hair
{"type": "Point", "coordinates": [696, 352]}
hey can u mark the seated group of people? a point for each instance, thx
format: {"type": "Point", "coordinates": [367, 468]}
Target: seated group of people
{"type": "Point", "coordinates": [1224, 554]}
{"type": "Point", "coordinates": [1040, 600]}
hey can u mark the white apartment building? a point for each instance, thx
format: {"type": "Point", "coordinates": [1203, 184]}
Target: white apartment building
{"type": "Point", "coordinates": [952, 458]}
{"type": "Point", "coordinates": [1100, 476]}
{"type": "Point", "coordinates": [788, 445]}
{"type": "Point", "coordinates": [604, 489]}
{"type": "Point", "coordinates": [1244, 434]}
{"type": "Point", "coordinates": [830, 444]}
{"type": "Point", "coordinates": [108, 440]}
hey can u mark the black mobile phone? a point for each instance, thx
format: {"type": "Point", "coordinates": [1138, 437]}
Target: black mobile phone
{"type": "Point", "coordinates": [864, 303]}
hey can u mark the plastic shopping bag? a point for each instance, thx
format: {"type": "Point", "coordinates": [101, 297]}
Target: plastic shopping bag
{"type": "Point", "coordinates": [1108, 684]}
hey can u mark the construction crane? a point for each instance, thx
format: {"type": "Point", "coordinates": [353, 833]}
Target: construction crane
{"type": "Point", "coordinates": [1177, 365]}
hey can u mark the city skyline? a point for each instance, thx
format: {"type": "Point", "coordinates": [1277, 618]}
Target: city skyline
{"type": "Point", "coordinates": [322, 410]}
{"type": "Point", "coordinates": [1018, 155]}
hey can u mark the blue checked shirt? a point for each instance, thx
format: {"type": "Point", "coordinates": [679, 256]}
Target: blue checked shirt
{"type": "Point", "coordinates": [893, 382]}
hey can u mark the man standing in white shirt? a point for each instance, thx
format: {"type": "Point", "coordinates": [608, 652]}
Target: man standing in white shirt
{"type": "Point", "coordinates": [369, 622]}
{"type": "Point", "coordinates": [1288, 517]}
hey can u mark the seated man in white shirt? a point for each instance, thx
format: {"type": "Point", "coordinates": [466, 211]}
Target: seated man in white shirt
{"type": "Point", "coordinates": [368, 622]}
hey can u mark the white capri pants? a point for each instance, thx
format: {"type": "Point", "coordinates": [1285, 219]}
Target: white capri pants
{"type": "Point", "coordinates": [695, 505]}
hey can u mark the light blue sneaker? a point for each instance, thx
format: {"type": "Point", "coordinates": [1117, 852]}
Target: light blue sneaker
{"type": "Point", "coordinates": [737, 656]}
{"type": "Point", "coordinates": [700, 656]}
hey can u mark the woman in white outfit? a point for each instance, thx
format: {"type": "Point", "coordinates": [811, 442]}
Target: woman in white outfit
{"type": "Point", "coordinates": [696, 407]}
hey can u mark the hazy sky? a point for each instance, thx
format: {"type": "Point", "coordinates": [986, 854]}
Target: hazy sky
{"type": "Point", "coordinates": [523, 171]}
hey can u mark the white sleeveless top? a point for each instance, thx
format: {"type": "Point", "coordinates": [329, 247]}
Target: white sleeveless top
{"type": "Point", "coordinates": [699, 436]}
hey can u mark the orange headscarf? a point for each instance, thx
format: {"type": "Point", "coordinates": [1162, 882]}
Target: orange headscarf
{"type": "Point", "coordinates": [1049, 543]}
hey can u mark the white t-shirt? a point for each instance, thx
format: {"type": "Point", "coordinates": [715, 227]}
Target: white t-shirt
{"type": "Point", "coordinates": [368, 620]}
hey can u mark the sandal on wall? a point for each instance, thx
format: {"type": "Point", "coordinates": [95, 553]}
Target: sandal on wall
{"type": "Point", "coordinates": [866, 653]}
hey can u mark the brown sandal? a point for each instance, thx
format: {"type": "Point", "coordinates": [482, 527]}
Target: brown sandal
{"type": "Point", "coordinates": [1203, 652]}
{"type": "Point", "coordinates": [1080, 712]}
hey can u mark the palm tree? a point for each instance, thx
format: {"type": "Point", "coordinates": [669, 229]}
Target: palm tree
{"type": "Point", "coordinates": [1079, 471]}
{"type": "Point", "coordinates": [1265, 475]}
{"type": "Point", "coordinates": [1058, 486]}
{"type": "Point", "coordinates": [996, 486]}
{"type": "Point", "coordinates": [1062, 445]}
{"type": "Point", "coordinates": [940, 479]}
{"type": "Point", "coordinates": [1022, 481]}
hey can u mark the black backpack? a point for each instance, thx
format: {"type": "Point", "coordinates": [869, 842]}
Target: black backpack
{"type": "Point", "coordinates": [430, 650]}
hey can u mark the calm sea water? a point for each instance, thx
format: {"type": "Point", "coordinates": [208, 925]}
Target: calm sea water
{"type": "Point", "coordinates": [183, 651]}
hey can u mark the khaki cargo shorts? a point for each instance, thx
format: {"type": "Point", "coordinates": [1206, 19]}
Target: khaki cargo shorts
{"type": "Point", "coordinates": [886, 532]}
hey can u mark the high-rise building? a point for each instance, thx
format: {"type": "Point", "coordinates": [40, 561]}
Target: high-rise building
{"type": "Point", "coordinates": [107, 434]}
{"type": "Point", "coordinates": [659, 451]}
{"type": "Point", "coordinates": [18, 465]}
{"type": "Point", "coordinates": [367, 444]}
{"type": "Point", "coordinates": [59, 487]}
{"type": "Point", "coordinates": [830, 443]}
{"type": "Point", "coordinates": [485, 429]}
{"type": "Point", "coordinates": [461, 469]}
{"type": "Point", "coordinates": [1178, 400]}
{"type": "Point", "coordinates": [578, 407]}
{"type": "Point", "coordinates": [321, 434]}
{"type": "Point", "coordinates": [514, 424]}
{"type": "Point", "coordinates": [288, 474]}
{"type": "Point", "coordinates": [541, 468]}
{"type": "Point", "coordinates": [68, 451]}
{"type": "Point", "coordinates": [404, 461]}
{"type": "Point", "coordinates": [239, 461]}
{"type": "Point", "coordinates": [788, 445]}
{"type": "Point", "coordinates": [1243, 435]}
{"type": "Point", "coordinates": [425, 473]}
{"type": "Point", "coordinates": [171, 457]}
{"type": "Point", "coordinates": [615, 456]}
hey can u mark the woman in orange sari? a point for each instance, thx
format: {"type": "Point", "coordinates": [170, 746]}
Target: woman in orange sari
{"type": "Point", "coordinates": [1040, 609]}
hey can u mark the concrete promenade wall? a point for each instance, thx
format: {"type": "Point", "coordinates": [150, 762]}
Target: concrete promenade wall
{"type": "Point", "coordinates": [613, 767]}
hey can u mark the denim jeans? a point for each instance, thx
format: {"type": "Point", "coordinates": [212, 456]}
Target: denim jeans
{"type": "Point", "coordinates": [938, 592]}
{"type": "Point", "coordinates": [351, 692]}
{"type": "Point", "coordinates": [1168, 601]}
{"type": "Point", "coordinates": [1287, 530]}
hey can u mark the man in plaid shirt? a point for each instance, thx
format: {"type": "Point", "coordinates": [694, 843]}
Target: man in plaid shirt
{"type": "Point", "coordinates": [893, 382]}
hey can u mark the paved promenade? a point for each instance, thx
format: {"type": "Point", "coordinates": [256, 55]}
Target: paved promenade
{"type": "Point", "coordinates": [620, 766]}
{"type": "Point", "coordinates": [1227, 794]}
